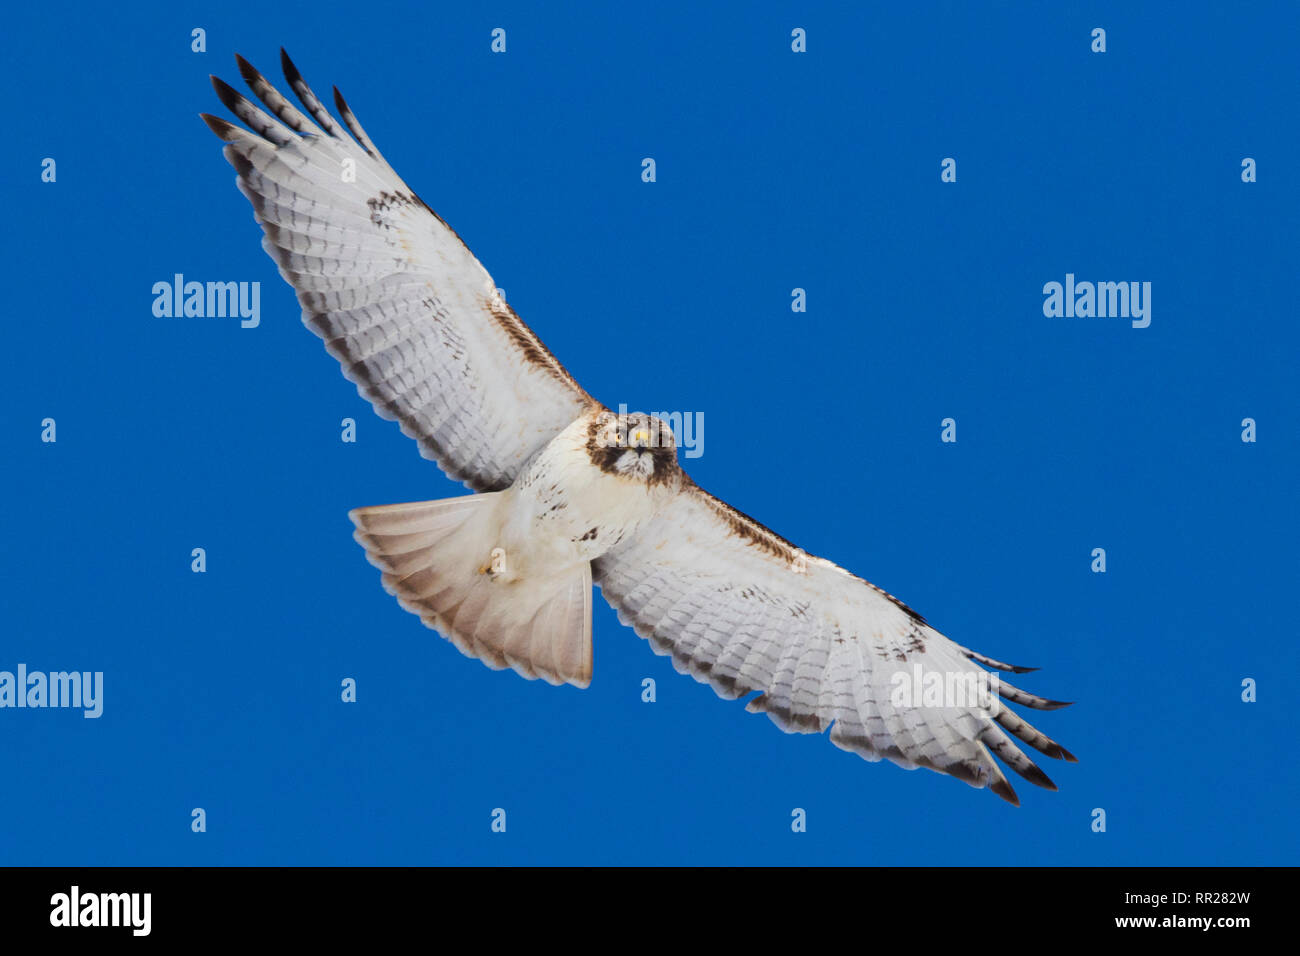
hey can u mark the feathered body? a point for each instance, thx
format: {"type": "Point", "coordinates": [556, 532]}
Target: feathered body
{"type": "Point", "coordinates": [506, 575]}
{"type": "Point", "coordinates": [587, 491]}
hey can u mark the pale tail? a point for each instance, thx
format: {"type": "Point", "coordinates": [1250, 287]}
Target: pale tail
{"type": "Point", "coordinates": [440, 560]}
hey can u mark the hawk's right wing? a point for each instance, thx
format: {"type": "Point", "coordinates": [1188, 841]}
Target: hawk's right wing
{"type": "Point", "coordinates": [400, 301]}
{"type": "Point", "coordinates": [740, 608]}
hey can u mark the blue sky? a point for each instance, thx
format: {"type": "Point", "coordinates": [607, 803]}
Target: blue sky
{"type": "Point", "coordinates": [775, 171]}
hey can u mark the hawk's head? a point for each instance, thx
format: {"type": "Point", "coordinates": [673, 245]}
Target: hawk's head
{"type": "Point", "coordinates": [636, 446]}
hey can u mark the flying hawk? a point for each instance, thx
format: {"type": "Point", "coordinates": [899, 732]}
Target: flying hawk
{"type": "Point", "coordinates": [570, 493]}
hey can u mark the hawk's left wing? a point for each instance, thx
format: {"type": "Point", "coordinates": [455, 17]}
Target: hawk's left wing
{"type": "Point", "coordinates": [412, 316]}
{"type": "Point", "coordinates": [740, 608]}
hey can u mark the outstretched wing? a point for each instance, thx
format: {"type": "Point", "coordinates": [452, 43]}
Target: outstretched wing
{"type": "Point", "coordinates": [742, 609]}
{"type": "Point", "coordinates": [414, 319]}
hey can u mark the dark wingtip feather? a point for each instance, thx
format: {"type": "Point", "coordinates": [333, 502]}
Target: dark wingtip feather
{"type": "Point", "coordinates": [305, 95]}
{"type": "Point", "coordinates": [1056, 752]}
{"type": "Point", "coordinates": [1066, 755]}
{"type": "Point", "coordinates": [1010, 692]}
{"type": "Point", "coordinates": [290, 71]}
{"type": "Point", "coordinates": [995, 664]}
{"type": "Point", "coordinates": [226, 93]}
{"type": "Point", "coordinates": [1005, 791]}
{"type": "Point", "coordinates": [219, 126]}
{"type": "Point", "coordinates": [246, 69]}
{"type": "Point", "coordinates": [340, 102]}
{"type": "Point", "coordinates": [1034, 774]}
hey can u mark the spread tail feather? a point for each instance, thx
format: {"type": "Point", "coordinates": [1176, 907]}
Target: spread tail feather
{"type": "Point", "coordinates": [441, 560]}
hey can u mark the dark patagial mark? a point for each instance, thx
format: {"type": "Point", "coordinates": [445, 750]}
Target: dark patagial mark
{"type": "Point", "coordinates": [769, 542]}
{"type": "Point", "coordinates": [386, 202]}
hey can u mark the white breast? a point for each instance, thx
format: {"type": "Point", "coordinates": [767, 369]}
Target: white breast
{"type": "Point", "coordinates": [563, 510]}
